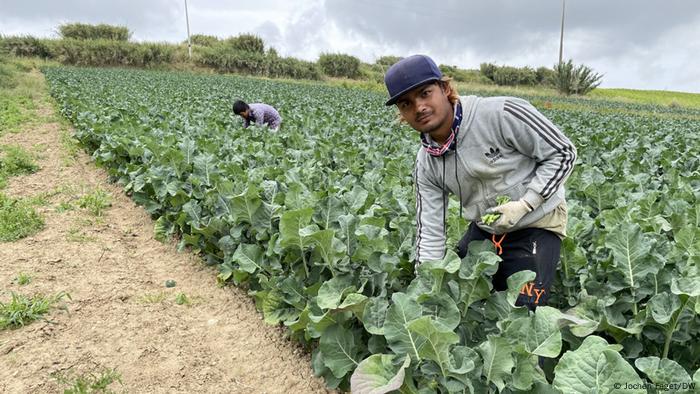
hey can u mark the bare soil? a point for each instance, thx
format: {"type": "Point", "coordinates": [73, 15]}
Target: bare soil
{"type": "Point", "coordinates": [121, 315]}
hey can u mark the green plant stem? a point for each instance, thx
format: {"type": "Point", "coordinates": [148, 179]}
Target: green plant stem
{"type": "Point", "coordinates": [672, 327]}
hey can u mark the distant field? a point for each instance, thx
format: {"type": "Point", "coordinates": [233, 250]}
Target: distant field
{"type": "Point", "coordinates": [537, 93]}
{"type": "Point", "coordinates": [629, 96]}
{"type": "Point", "coordinates": [659, 97]}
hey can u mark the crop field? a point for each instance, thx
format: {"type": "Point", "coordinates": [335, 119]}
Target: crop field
{"type": "Point", "coordinates": [316, 222]}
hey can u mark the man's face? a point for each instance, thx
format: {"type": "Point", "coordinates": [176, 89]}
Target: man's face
{"type": "Point", "coordinates": [427, 109]}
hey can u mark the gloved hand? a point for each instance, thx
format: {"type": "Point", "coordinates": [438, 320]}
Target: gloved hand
{"type": "Point", "coordinates": [511, 213]}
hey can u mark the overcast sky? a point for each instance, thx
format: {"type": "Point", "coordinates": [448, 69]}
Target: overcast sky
{"type": "Point", "coordinates": [650, 44]}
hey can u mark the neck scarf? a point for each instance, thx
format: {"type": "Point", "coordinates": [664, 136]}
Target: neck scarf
{"type": "Point", "coordinates": [436, 150]}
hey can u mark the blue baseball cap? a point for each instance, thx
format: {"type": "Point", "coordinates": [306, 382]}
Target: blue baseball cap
{"type": "Point", "coordinates": [409, 73]}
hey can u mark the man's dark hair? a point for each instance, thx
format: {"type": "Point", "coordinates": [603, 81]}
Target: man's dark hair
{"type": "Point", "coordinates": [239, 106]}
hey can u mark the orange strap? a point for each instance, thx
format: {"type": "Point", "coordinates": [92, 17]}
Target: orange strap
{"type": "Point", "coordinates": [498, 243]}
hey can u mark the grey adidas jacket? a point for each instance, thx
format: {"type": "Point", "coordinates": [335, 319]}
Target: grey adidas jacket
{"type": "Point", "coordinates": [504, 147]}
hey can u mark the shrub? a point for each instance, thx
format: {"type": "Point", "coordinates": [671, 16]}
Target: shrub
{"type": "Point", "coordinates": [339, 65]}
{"type": "Point", "coordinates": [246, 43]}
{"type": "Point", "coordinates": [572, 79]}
{"type": "Point", "coordinates": [203, 40]}
{"type": "Point", "coordinates": [511, 76]}
{"type": "Point", "coordinates": [111, 53]}
{"type": "Point", "coordinates": [292, 68]}
{"type": "Point", "coordinates": [25, 46]}
{"type": "Point", "coordinates": [151, 54]}
{"type": "Point", "coordinates": [223, 59]}
{"type": "Point", "coordinates": [488, 70]}
{"type": "Point", "coordinates": [545, 75]}
{"type": "Point", "coordinates": [83, 31]}
{"type": "Point", "coordinates": [387, 61]}
{"type": "Point", "coordinates": [372, 72]}
{"type": "Point", "coordinates": [451, 71]}
{"type": "Point", "coordinates": [462, 75]}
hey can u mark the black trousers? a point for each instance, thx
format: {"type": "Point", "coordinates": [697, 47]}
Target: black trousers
{"type": "Point", "coordinates": [531, 249]}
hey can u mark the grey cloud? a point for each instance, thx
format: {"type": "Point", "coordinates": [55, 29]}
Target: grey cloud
{"type": "Point", "coordinates": [643, 44]}
{"type": "Point", "coordinates": [152, 20]}
{"type": "Point", "coordinates": [304, 32]}
{"type": "Point", "coordinates": [500, 27]}
{"type": "Point", "coordinates": [270, 33]}
{"type": "Point", "coordinates": [601, 33]}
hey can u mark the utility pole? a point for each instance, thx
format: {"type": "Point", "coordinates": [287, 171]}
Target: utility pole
{"type": "Point", "coordinates": [189, 41]}
{"type": "Point", "coordinates": [561, 37]}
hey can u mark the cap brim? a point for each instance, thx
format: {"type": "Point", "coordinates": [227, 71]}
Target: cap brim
{"type": "Point", "coordinates": [398, 95]}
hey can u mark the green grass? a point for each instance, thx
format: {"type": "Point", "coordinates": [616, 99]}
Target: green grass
{"type": "Point", "coordinates": [71, 193]}
{"type": "Point", "coordinates": [628, 109]}
{"type": "Point", "coordinates": [14, 160]}
{"type": "Point", "coordinates": [18, 219]}
{"type": "Point", "coordinates": [466, 88]}
{"type": "Point", "coordinates": [20, 92]}
{"type": "Point", "coordinates": [38, 200]}
{"type": "Point", "coordinates": [8, 72]}
{"type": "Point", "coordinates": [658, 97]}
{"type": "Point", "coordinates": [23, 279]}
{"type": "Point", "coordinates": [22, 310]}
{"type": "Point", "coordinates": [354, 84]}
{"type": "Point", "coordinates": [14, 111]}
{"type": "Point", "coordinates": [89, 382]}
{"type": "Point", "coordinates": [64, 207]}
{"type": "Point", "coordinates": [153, 298]}
{"type": "Point", "coordinates": [71, 147]}
{"type": "Point", "coordinates": [76, 235]}
{"type": "Point", "coordinates": [95, 202]}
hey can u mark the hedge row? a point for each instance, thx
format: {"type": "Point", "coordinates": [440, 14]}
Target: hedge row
{"type": "Point", "coordinates": [222, 57]}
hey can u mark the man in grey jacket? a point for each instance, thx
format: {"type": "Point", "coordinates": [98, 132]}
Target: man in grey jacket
{"type": "Point", "coordinates": [479, 149]}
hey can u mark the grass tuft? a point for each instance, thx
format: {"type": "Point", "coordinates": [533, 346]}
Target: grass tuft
{"type": "Point", "coordinates": [14, 160]}
{"type": "Point", "coordinates": [95, 202]}
{"type": "Point", "coordinates": [22, 310]}
{"type": "Point", "coordinates": [156, 298]}
{"type": "Point", "coordinates": [89, 382]}
{"type": "Point", "coordinates": [18, 219]}
{"type": "Point", "coordinates": [23, 278]}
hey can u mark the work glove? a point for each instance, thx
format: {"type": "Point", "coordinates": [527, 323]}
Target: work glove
{"type": "Point", "coordinates": [511, 213]}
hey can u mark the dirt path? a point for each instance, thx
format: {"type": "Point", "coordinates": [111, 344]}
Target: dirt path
{"type": "Point", "coordinates": [121, 315]}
